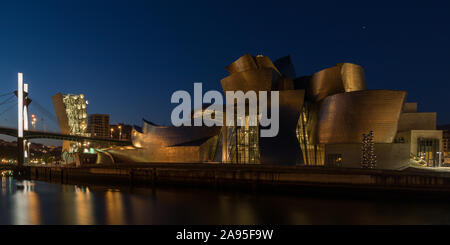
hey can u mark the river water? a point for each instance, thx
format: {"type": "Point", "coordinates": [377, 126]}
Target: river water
{"type": "Point", "coordinates": [35, 202]}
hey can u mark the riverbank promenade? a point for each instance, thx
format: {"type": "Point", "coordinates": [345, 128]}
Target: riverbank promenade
{"type": "Point", "coordinates": [249, 176]}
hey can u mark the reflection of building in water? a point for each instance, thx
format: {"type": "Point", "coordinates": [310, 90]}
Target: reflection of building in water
{"type": "Point", "coordinates": [322, 118]}
{"type": "Point", "coordinates": [34, 208]}
{"type": "Point", "coordinates": [5, 184]}
{"type": "Point", "coordinates": [26, 206]}
{"type": "Point", "coordinates": [84, 206]}
{"type": "Point", "coordinates": [115, 213]}
{"type": "Point", "coordinates": [72, 119]}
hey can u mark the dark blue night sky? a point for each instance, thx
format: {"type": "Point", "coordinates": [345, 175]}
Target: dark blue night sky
{"type": "Point", "coordinates": [128, 57]}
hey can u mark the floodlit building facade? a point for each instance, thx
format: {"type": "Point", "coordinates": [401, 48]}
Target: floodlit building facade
{"type": "Point", "coordinates": [72, 119]}
{"type": "Point", "coordinates": [323, 117]}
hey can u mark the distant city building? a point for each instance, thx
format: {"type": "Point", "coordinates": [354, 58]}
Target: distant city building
{"type": "Point", "coordinates": [98, 125]}
{"type": "Point", "coordinates": [120, 131]}
{"type": "Point", "coordinates": [445, 142]}
{"type": "Point", "coordinates": [72, 119]}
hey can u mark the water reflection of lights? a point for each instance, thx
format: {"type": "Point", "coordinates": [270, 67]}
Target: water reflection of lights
{"type": "Point", "coordinates": [7, 173]}
{"type": "Point", "coordinates": [4, 184]}
{"type": "Point", "coordinates": [26, 205]}
{"type": "Point", "coordinates": [83, 189]}
{"type": "Point", "coordinates": [19, 186]}
{"type": "Point", "coordinates": [244, 214]}
{"type": "Point", "coordinates": [114, 207]}
{"type": "Point", "coordinates": [25, 186]}
{"type": "Point", "coordinates": [10, 184]}
{"type": "Point", "coordinates": [84, 206]}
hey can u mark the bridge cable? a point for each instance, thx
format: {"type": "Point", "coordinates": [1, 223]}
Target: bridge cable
{"type": "Point", "coordinates": [7, 109]}
{"type": "Point", "coordinates": [48, 114]}
{"type": "Point", "coordinates": [1, 95]}
{"type": "Point", "coordinates": [7, 100]}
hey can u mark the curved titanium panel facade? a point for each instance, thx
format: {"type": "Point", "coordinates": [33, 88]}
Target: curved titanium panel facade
{"type": "Point", "coordinates": [344, 77]}
{"type": "Point", "coordinates": [284, 149]}
{"type": "Point", "coordinates": [352, 77]}
{"type": "Point", "coordinates": [171, 144]}
{"type": "Point", "coordinates": [324, 83]}
{"type": "Point", "coordinates": [285, 83]}
{"type": "Point", "coordinates": [172, 136]}
{"type": "Point", "coordinates": [344, 117]}
{"type": "Point", "coordinates": [244, 63]}
{"type": "Point", "coordinates": [256, 80]}
{"type": "Point", "coordinates": [265, 62]}
{"type": "Point", "coordinates": [248, 62]}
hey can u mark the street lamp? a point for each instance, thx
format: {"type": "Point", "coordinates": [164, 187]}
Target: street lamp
{"type": "Point", "coordinates": [33, 121]}
{"type": "Point", "coordinates": [112, 130]}
{"type": "Point", "coordinates": [120, 132]}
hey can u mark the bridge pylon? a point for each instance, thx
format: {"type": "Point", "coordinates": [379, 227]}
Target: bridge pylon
{"type": "Point", "coordinates": [22, 118]}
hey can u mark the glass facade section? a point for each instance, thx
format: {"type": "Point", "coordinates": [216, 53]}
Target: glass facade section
{"type": "Point", "coordinates": [428, 149]}
{"type": "Point", "coordinates": [243, 144]}
{"type": "Point", "coordinates": [313, 154]}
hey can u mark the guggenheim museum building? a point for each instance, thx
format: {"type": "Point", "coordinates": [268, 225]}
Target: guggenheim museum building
{"type": "Point", "coordinates": [322, 116]}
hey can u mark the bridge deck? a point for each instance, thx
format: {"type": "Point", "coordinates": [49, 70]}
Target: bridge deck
{"type": "Point", "coordinates": [30, 134]}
